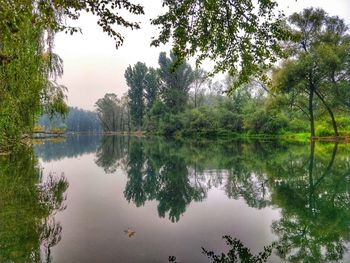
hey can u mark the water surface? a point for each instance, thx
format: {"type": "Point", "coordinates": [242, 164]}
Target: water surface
{"type": "Point", "coordinates": [122, 199]}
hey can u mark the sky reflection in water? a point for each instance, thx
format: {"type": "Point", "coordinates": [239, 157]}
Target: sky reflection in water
{"type": "Point", "coordinates": [120, 199]}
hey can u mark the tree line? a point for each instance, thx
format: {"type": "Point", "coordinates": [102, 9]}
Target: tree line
{"type": "Point", "coordinates": [306, 92]}
{"type": "Point", "coordinates": [245, 39]}
{"type": "Point", "coordinates": [76, 120]}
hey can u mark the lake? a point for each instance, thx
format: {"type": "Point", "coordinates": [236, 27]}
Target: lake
{"type": "Point", "coordinates": [128, 199]}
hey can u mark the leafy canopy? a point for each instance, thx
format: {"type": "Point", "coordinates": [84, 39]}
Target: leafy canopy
{"type": "Point", "coordinates": [238, 35]}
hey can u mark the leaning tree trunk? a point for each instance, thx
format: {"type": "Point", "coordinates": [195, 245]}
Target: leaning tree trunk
{"type": "Point", "coordinates": [330, 112]}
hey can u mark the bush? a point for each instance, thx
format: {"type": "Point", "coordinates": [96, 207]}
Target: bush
{"type": "Point", "coordinates": [264, 122]}
{"type": "Point", "coordinates": [171, 124]}
{"type": "Point", "coordinates": [297, 125]}
{"type": "Point", "coordinates": [322, 130]}
{"type": "Point", "coordinates": [231, 121]}
{"type": "Point", "coordinates": [200, 119]}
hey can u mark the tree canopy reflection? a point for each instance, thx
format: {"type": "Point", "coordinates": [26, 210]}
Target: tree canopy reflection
{"type": "Point", "coordinates": [310, 184]}
{"type": "Point", "coordinates": [28, 201]}
{"type": "Point", "coordinates": [157, 174]}
{"type": "Point", "coordinates": [314, 195]}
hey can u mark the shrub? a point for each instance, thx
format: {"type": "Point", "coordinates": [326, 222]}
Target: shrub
{"type": "Point", "coordinates": [231, 121]}
{"type": "Point", "coordinates": [322, 130]}
{"type": "Point", "coordinates": [171, 124]}
{"type": "Point", "coordinates": [264, 122]}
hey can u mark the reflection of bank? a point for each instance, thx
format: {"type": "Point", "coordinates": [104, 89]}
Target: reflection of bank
{"type": "Point", "coordinates": [308, 183]}
{"type": "Point", "coordinates": [311, 186]}
{"type": "Point", "coordinates": [28, 203]}
{"type": "Point", "coordinates": [313, 193]}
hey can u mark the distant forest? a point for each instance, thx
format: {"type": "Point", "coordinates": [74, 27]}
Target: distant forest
{"type": "Point", "coordinates": [77, 120]}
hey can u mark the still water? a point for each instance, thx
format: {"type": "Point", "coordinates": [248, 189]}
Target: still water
{"type": "Point", "coordinates": [122, 199]}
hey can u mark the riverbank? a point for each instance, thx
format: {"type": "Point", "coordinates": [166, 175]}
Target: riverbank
{"type": "Point", "coordinates": [298, 137]}
{"type": "Point", "coordinates": [301, 137]}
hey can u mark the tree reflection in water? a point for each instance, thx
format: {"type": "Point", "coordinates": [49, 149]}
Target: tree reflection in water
{"type": "Point", "coordinates": [28, 202]}
{"type": "Point", "coordinates": [165, 179]}
{"type": "Point", "coordinates": [309, 184]}
{"type": "Point", "coordinates": [314, 197]}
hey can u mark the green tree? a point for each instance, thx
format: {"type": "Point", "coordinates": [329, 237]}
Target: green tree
{"type": "Point", "coordinates": [240, 36]}
{"type": "Point", "coordinates": [308, 73]}
{"type": "Point", "coordinates": [108, 111]}
{"type": "Point", "coordinates": [27, 64]}
{"type": "Point", "coordinates": [197, 87]}
{"type": "Point", "coordinates": [27, 72]}
{"type": "Point", "coordinates": [176, 78]}
{"type": "Point", "coordinates": [151, 91]}
{"type": "Point", "coordinates": [136, 79]}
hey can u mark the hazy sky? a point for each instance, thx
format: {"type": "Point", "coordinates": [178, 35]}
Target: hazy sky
{"type": "Point", "coordinates": [93, 66]}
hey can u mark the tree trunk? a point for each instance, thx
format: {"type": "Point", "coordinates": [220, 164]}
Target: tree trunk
{"type": "Point", "coordinates": [195, 98]}
{"type": "Point", "coordinates": [121, 120]}
{"type": "Point", "coordinates": [129, 128]}
{"type": "Point", "coordinates": [311, 113]}
{"type": "Point", "coordinates": [330, 112]}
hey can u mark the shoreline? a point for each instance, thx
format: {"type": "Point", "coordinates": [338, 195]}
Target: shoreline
{"type": "Point", "coordinates": [301, 137]}
{"type": "Point", "coordinates": [297, 137]}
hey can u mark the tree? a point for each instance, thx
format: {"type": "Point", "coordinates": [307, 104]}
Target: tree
{"type": "Point", "coordinates": [28, 66]}
{"type": "Point", "coordinates": [312, 65]}
{"type": "Point", "coordinates": [239, 36]}
{"type": "Point", "coordinates": [200, 77]}
{"type": "Point", "coordinates": [175, 81]}
{"type": "Point", "coordinates": [108, 111]}
{"type": "Point", "coordinates": [151, 87]}
{"type": "Point", "coordinates": [27, 72]}
{"type": "Point", "coordinates": [135, 78]}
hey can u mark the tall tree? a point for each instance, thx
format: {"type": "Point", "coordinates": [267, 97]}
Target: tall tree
{"type": "Point", "coordinates": [135, 78]}
{"type": "Point", "coordinates": [151, 87]}
{"type": "Point", "coordinates": [200, 77]}
{"type": "Point", "coordinates": [176, 77]}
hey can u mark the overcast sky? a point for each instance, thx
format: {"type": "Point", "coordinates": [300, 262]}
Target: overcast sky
{"type": "Point", "coordinates": [94, 67]}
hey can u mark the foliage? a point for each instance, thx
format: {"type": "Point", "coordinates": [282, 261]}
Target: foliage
{"type": "Point", "coordinates": [149, 87]}
{"type": "Point", "coordinates": [113, 113]}
{"type": "Point", "coordinates": [240, 36]}
{"type": "Point", "coordinates": [28, 66]}
{"type": "Point", "coordinates": [175, 81]}
{"type": "Point", "coordinates": [318, 65]}
{"type": "Point", "coordinates": [135, 78]}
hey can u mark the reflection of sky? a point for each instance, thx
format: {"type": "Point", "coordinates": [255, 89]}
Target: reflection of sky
{"type": "Point", "coordinates": [94, 67]}
{"type": "Point", "coordinates": [97, 214]}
